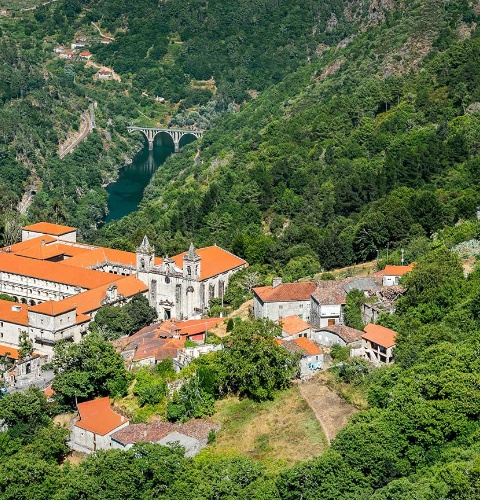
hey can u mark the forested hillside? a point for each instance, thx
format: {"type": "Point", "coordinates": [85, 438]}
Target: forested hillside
{"type": "Point", "coordinates": [373, 146]}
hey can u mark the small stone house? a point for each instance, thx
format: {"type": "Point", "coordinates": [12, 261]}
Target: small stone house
{"type": "Point", "coordinates": [282, 300]}
{"type": "Point", "coordinates": [294, 327]}
{"type": "Point", "coordinates": [192, 435]}
{"type": "Point", "coordinates": [311, 355]}
{"type": "Point", "coordinates": [378, 344]}
{"type": "Point", "coordinates": [96, 424]}
{"type": "Point", "coordinates": [338, 334]}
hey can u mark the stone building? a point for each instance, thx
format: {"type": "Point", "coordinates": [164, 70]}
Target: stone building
{"type": "Point", "coordinates": [60, 283]}
{"type": "Point", "coordinates": [282, 300]}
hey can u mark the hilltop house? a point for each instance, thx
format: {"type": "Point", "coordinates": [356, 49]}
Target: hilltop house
{"type": "Point", "coordinates": [97, 422]}
{"type": "Point", "coordinates": [61, 283]}
{"type": "Point", "coordinates": [282, 300]}
{"type": "Point", "coordinates": [378, 344]}
{"type": "Point", "coordinates": [391, 274]}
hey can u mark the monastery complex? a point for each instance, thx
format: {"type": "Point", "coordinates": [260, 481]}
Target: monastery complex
{"type": "Point", "coordinates": [60, 283]}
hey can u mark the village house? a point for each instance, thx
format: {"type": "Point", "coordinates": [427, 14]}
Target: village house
{"type": "Point", "coordinates": [104, 74]}
{"type": "Point", "coordinates": [97, 422]}
{"type": "Point", "coordinates": [61, 283]}
{"type": "Point", "coordinates": [311, 355]}
{"type": "Point", "coordinates": [328, 302]}
{"type": "Point", "coordinates": [85, 54]}
{"type": "Point", "coordinates": [192, 435]}
{"type": "Point", "coordinates": [338, 334]}
{"type": "Point", "coordinates": [106, 40]}
{"type": "Point", "coordinates": [378, 344]}
{"type": "Point", "coordinates": [67, 54]}
{"type": "Point", "coordinates": [391, 274]}
{"type": "Point", "coordinates": [282, 300]}
{"type": "Point", "coordinates": [77, 44]}
{"type": "Point", "coordinates": [294, 327]}
{"type": "Point", "coordinates": [59, 49]}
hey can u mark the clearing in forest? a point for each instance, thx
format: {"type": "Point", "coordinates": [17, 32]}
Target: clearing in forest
{"type": "Point", "coordinates": [278, 433]}
{"type": "Point", "coordinates": [331, 410]}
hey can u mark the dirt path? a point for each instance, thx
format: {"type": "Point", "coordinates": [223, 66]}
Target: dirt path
{"type": "Point", "coordinates": [74, 141]}
{"type": "Point", "coordinates": [331, 410]}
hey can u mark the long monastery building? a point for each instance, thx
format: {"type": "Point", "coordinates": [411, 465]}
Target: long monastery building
{"type": "Point", "coordinates": [60, 283]}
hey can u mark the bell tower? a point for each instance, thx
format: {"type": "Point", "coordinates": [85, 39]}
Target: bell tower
{"type": "Point", "coordinates": [145, 256]}
{"type": "Point", "coordinates": [191, 264]}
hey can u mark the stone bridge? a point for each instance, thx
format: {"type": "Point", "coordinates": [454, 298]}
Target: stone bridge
{"type": "Point", "coordinates": [175, 133]}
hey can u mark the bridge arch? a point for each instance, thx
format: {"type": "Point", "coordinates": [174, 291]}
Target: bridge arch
{"type": "Point", "coordinates": [175, 133]}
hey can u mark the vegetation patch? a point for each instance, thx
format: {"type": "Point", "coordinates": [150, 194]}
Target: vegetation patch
{"type": "Point", "coordinates": [278, 432]}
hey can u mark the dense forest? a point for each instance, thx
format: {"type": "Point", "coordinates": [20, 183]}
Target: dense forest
{"type": "Point", "coordinates": [353, 154]}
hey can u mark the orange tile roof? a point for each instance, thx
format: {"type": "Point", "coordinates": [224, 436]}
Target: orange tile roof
{"type": "Point", "coordinates": [98, 417]}
{"type": "Point", "coordinates": [44, 251]}
{"type": "Point", "coordinates": [379, 335]}
{"type": "Point", "coordinates": [293, 324]}
{"type": "Point", "coordinates": [97, 255]}
{"type": "Point", "coordinates": [14, 312]}
{"type": "Point", "coordinates": [90, 300]}
{"type": "Point", "coordinates": [51, 271]}
{"type": "Point", "coordinates": [33, 242]}
{"type": "Point", "coordinates": [396, 270]}
{"type": "Point", "coordinates": [285, 292]}
{"type": "Point", "coordinates": [49, 228]}
{"type": "Point", "coordinates": [194, 326]}
{"type": "Point", "coordinates": [303, 346]}
{"type": "Point", "coordinates": [215, 260]}
{"type": "Point", "coordinates": [13, 353]}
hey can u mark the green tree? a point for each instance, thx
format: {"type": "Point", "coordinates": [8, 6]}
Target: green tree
{"type": "Point", "coordinates": [88, 369]}
{"type": "Point", "coordinates": [253, 362]}
{"type": "Point", "coordinates": [353, 309]}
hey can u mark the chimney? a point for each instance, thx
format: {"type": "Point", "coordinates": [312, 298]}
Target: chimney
{"type": "Point", "coordinates": [276, 281]}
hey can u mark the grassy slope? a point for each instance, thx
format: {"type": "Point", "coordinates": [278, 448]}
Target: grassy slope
{"type": "Point", "coordinates": [278, 433]}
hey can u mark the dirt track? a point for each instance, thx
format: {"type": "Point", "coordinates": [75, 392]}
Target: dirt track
{"type": "Point", "coordinates": [331, 410]}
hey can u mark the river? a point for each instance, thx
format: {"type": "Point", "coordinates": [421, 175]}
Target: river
{"type": "Point", "coordinates": [126, 193]}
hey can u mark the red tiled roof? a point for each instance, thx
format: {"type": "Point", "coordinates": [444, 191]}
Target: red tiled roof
{"type": "Point", "coordinates": [4, 349]}
{"type": "Point", "coordinates": [89, 301]}
{"type": "Point", "coordinates": [49, 228]}
{"type": "Point", "coordinates": [380, 335]}
{"type": "Point", "coordinates": [215, 260]}
{"type": "Point", "coordinates": [32, 242]}
{"type": "Point", "coordinates": [156, 341]}
{"type": "Point", "coordinates": [43, 251]}
{"type": "Point", "coordinates": [51, 271]}
{"type": "Point", "coordinates": [293, 324]}
{"type": "Point", "coordinates": [285, 292]}
{"type": "Point", "coordinates": [14, 312]}
{"type": "Point", "coordinates": [330, 293]}
{"type": "Point", "coordinates": [303, 346]}
{"type": "Point", "coordinates": [395, 270]}
{"type": "Point", "coordinates": [98, 417]}
{"type": "Point", "coordinates": [195, 326]}
{"type": "Point", "coordinates": [346, 333]}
